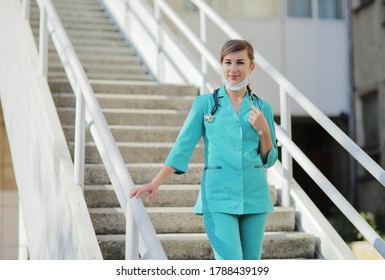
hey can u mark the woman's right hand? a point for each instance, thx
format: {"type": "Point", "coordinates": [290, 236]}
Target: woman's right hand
{"type": "Point", "coordinates": [151, 188]}
{"type": "Point", "coordinates": [165, 172]}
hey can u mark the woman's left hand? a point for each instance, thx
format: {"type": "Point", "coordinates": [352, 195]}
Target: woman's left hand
{"type": "Point", "coordinates": [258, 121]}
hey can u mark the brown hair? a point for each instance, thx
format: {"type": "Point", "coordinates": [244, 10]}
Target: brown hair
{"type": "Point", "coordinates": [236, 45]}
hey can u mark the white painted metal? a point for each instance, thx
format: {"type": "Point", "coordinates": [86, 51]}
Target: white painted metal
{"type": "Point", "coordinates": [203, 37]}
{"type": "Point", "coordinates": [26, 8]}
{"type": "Point", "coordinates": [80, 138]}
{"type": "Point", "coordinates": [43, 43]}
{"type": "Point", "coordinates": [132, 243]}
{"type": "Point", "coordinates": [309, 219]}
{"type": "Point", "coordinates": [40, 155]}
{"type": "Point", "coordinates": [287, 161]}
{"type": "Point", "coordinates": [338, 199]}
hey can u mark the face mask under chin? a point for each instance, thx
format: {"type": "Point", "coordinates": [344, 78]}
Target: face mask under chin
{"type": "Point", "coordinates": [235, 87]}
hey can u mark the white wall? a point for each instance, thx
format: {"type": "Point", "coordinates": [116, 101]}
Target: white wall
{"type": "Point", "coordinates": [56, 218]}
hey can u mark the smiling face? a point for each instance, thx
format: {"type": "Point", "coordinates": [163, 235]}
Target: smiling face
{"type": "Point", "coordinates": [237, 66]}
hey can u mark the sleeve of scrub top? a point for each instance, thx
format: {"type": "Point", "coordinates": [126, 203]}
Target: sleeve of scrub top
{"type": "Point", "coordinates": [192, 130]}
{"type": "Point", "coordinates": [273, 153]}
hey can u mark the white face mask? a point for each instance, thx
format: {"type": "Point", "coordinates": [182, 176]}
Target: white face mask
{"type": "Point", "coordinates": [235, 87]}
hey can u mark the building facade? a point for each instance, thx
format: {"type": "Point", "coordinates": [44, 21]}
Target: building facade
{"type": "Point", "coordinates": [368, 29]}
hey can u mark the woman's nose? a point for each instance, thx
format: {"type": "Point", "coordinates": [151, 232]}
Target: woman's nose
{"type": "Point", "coordinates": [233, 68]}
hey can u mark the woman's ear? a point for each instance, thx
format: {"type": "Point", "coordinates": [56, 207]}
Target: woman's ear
{"type": "Point", "coordinates": [252, 66]}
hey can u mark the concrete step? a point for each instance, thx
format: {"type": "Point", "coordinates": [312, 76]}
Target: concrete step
{"type": "Point", "coordinates": [117, 116]}
{"type": "Point", "coordinates": [139, 152]}
{"type": "Point", "coordinates": [122, 51]}
{"type": "Point", "coordinates": [141, 173]}
{"type": "Point", "coordinates": [101, 59]}
{"type": "Point", "coordinates": [66, 11]}
{"type": "Point", "coordinates": [178, 220]}
{"type": "Point", "coordinates": [168, 196]}
{"type": "Point", "coordinates": [131, 133]}
{"type": "Point", "coordinates": [103, 69]}
{"type": "Point", "coordinates": [128, 87]}
{"type": "Point", "coordinates": [139, 101]}
{"type": "Point", "coordinates": [94, 34]}
{"type": "Point", "coordinates": [104, 76]}
{"type": "Point", "coordinates": [276, 245]}
{"type": "Point", "coordinates": [102, 26]}
{"type": "Point", "coordinates": [90, 41]}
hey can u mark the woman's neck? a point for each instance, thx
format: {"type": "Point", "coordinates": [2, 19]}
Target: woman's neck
{"type": "Point", "coordinates": [236, 95]}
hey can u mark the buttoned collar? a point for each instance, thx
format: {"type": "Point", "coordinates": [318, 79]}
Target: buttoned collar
{"type": "Point", "coordinates": [225, 102]}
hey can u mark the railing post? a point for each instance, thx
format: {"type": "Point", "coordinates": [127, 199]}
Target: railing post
{"type": "Point", "coordinates": [132, 236]}
{"type": "Point", "coordinates": [159, 43]}
{"type": "Point", "coordinates": [80, 138]}
{"type": "Point", "coordinates": [26, 8]}
{"type": "Point", "coordinates": [203, 36]}
{"type": "Point", "coordinates": [43, 41]}
{"type": "Point", "coordinates": [287, 161]}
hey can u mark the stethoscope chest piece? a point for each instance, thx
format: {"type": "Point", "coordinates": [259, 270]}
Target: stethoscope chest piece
{"type": "Point", "coordinates": [209, 118]}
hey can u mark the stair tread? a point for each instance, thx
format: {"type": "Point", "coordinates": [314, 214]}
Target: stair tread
{"type": "Point", "coordinates": [277, 209]}
{"type": "Point", "coordinates": [162, 187]}
{"type": "Point", "coordinates": [203, 236]}
{"type": "Point", "coordinates": [132, 110]}
{"type": "Point", "coordinates": [149, 127]}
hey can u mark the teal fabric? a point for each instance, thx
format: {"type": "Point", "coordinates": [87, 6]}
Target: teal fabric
{"type": "Point", "coordinates": [236, 237]}
{"type": "Point", "coordinates": [234, 179]}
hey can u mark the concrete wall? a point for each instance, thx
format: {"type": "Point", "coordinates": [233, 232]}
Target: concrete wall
{"type": "Point", "coordinates": [9, 218]}
{"type": "Point", "coordinates": [369, 78]}
{"type": "Point", "coordinates": [56, 217]}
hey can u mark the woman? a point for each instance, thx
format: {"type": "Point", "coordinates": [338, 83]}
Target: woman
{"type": "Point", "coordinates": [238, 132]}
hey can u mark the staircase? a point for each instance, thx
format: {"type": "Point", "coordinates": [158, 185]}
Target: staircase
{"type": "Point", "coordinates": [145, 118]}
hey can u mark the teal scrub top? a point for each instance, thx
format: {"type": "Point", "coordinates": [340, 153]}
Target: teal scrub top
{"type": "Point", "coordinates": [234, 178]}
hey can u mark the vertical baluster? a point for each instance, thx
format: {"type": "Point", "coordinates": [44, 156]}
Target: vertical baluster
{"type": "Point", "coordinates": [287, 161]}
{"type": "Point", "coordinates": [26, 8]}
{"type": "Point", "coordinates": [203, 36]}
{"type": "Point", "coordinates": [80, 135]}
{"type": "Point", "coordinates": [132, 236]}
{"type": "Point", "coordinates": [160, 64]}
{"type": "Point", "coordinates": [43, 41]}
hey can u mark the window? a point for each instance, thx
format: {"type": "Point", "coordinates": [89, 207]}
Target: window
{"type": "Point", "coordinates": [330, 9]}
{"type": "Point", "coordinates": [299, 8]}
{"type": "Point", "coordinates": [383, 13]}
{"type": "Point", "coordinates": [370, 120]}
{"type": "Point", "coordinates": [244, 8]}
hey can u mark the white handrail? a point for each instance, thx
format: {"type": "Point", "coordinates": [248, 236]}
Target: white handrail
{"type": "Point", "coordinates": [189, 34]}
{"type": "Point", "coordinates": [115, 166]}
{"type": "Point", "coordinates": [328, 188]}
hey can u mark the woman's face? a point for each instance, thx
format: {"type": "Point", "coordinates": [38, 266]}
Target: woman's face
{"type": "Point", "coordinates": [236, 66]}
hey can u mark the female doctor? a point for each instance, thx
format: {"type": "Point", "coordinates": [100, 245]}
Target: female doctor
{"type": "Point", "coordinates": [239, 140]}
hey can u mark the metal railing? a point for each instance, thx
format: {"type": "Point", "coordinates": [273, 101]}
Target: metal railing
{"type": "Point", "coordinates": [88, 113]}
{"type": "Point", "coordinates": [286, 90]}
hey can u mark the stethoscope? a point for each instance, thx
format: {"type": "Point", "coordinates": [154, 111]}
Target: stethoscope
{"type": "Point", "coordinates": [210, 117]}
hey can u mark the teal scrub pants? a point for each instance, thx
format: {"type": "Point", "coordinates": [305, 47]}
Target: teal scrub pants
{"type": "Point", "coordinates": [235, 237]}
